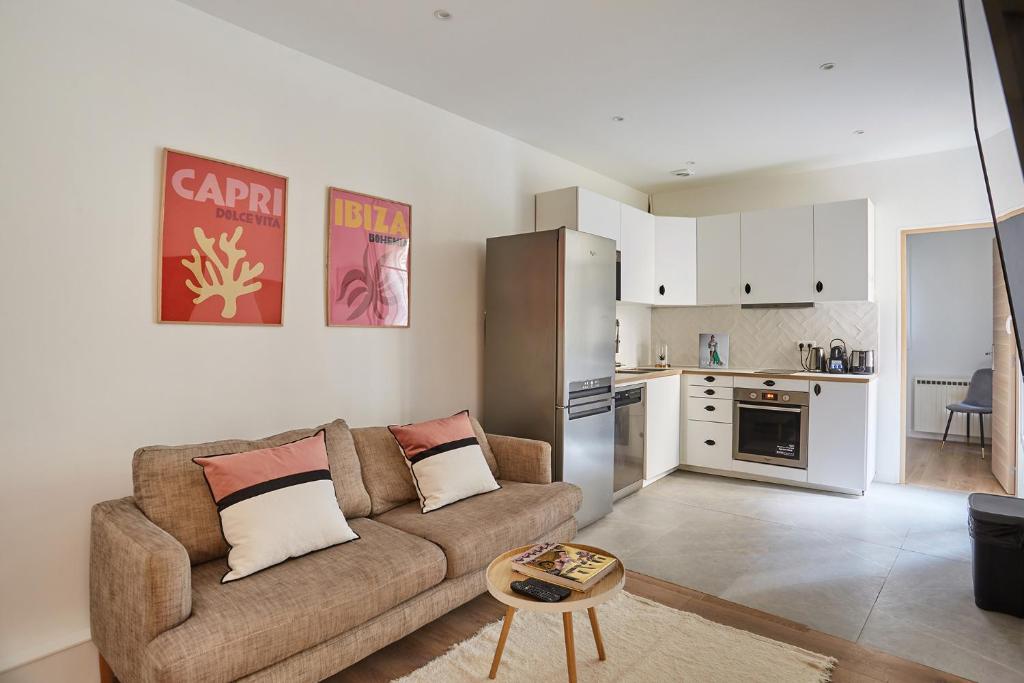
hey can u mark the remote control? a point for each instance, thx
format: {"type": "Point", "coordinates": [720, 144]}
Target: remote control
{"type": "Point", "coordinates": [540, 590]}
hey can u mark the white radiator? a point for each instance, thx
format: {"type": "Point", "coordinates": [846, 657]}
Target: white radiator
{"type": "Point", "coordinates": [931, 396]}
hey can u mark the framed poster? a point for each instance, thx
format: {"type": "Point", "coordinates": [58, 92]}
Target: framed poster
{"type": "Point", "coordinates": [368, 260]}
{"type": "Point", "coordinates": [222, 229]}
{"type": "Point", "coordinates": [713, 350]}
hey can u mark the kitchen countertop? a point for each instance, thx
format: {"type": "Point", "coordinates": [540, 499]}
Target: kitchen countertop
{"type": "Point", "coordinates": [621, 379]}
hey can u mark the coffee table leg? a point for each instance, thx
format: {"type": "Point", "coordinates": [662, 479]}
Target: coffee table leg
{"type": "Point", "coordinates": [570, 646]}
{"type": "Point", "coordinates": [506, 625]}
{"type": "Point", "coordinates": [596, 628]}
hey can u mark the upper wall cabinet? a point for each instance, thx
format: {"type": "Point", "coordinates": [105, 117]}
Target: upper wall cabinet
{"type": "Point", "coordinates": [675, 261]}
{"type": "Point", "coordinates": [718, 263]}
{"type": "Point", "coordinates": [636, 247]}
{"type": "Point", "coordinates": [578, 208]}
{"type": "Point", "coordinates": [844, 251]}
{"type": "Point", "coordinates": [777, 256]}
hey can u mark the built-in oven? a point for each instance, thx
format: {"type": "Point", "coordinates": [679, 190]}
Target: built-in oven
{"type": "Point", "coordinates": [770, 427]}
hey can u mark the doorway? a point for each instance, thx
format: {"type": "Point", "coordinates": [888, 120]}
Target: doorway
{"type": "Point", "coordinates": [954, 312]}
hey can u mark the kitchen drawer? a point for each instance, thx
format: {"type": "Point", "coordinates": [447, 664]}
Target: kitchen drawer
{"type": "Point", "coordinates": [762, 382]}
{"type": "Point", "coordinates": [709, 392]}
{"type": "Point", "coordinates": [708, 444]}
{"type": "Point", "coordinates": [709, 380]}
{"type": "Point", "coordinates": [709, 409]}
{"type": "Point", "coordinates": [776, 471]}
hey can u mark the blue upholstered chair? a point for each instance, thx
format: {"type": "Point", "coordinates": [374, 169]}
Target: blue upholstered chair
{"type": "Point", "coordinates": [978, 402]}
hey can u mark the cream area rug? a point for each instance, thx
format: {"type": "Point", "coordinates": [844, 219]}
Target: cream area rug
{"type": "Point", "coordinates": [644, 641]}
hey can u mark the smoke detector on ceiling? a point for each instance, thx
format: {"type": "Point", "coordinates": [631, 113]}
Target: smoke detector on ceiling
{"type": "Point", "coordinates": [683, 172]}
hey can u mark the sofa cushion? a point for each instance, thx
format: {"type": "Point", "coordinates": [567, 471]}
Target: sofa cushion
{"type": "Point", "coordinates": [238, 628]}
{"type": "Point", "coordinates": [275, 504]}
{"type": "Point", "coordinates": [385, 474]}
{"type": "Point", "coordinates": [170, 489]}
{"type": "Point", "coordinates": [474, 531]}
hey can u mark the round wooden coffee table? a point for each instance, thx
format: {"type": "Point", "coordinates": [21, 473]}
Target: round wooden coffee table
{"type": "Point", "coordinates": [500, 575]}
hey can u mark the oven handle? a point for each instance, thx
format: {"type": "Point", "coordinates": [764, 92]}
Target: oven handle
{"type": "Point", "coordinates": [758, 406]}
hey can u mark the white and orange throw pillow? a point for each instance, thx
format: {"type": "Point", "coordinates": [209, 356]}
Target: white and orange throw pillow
{"type": "Point", "coordinates": [445, 459]}
{"type": "Point", "coordinates": [275, 503]}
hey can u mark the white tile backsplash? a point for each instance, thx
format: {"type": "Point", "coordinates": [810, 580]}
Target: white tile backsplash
{"type": "Point", "coordinates": [764, 337]}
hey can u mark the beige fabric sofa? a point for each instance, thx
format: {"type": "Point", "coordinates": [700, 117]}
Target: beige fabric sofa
{"type": "Point", "coordinates": [160, 613]}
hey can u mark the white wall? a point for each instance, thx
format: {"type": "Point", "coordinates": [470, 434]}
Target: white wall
{"type": "Point", "coordinates": [634, 334]}
{"type": "Point", "coordinates": [935, 189]}
{"type": "Point", "coordinates": [950, 309]}
{"type": "Point", "coordinates": [92, 92]}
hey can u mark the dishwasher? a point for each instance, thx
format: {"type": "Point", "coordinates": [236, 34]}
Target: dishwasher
{"type": "Point", "coordinates": [630, 422]}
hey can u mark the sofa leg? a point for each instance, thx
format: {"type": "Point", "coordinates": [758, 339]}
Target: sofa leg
{"type": "Point", "coordinates": [106, 673]}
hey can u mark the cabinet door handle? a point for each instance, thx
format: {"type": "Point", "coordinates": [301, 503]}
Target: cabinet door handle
{"type": "Point", "coordinates": [709, 392]}
{"type": "Point", "coordinates": [710, 409]}
{"type": "Point", "coordinates": [709, 378]}
{"type": "Point", "coordinates": [747, 288]}
{"type": "Point", "coordinates": [710, 442]}
{"type": "Point", "coordinates": [819, 286]}
{"type": "Point", "coordinates": [661, 290]}
{"type": "Point", "coordinates": [817, 390]}
{"type": "Point", "coordinates": [769, 383]}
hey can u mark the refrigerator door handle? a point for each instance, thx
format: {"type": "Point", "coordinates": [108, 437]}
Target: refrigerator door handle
{"type": "Point", "coordinates": [590, 411]}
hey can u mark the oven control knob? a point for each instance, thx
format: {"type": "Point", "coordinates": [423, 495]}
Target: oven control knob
{"type": "Point", "coordinates": [753, 394]}
{"type": "Point", "coordinates": [785, 397]}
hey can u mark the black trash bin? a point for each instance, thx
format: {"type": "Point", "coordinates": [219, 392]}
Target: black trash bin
{"type": "Point", "coordinates": [997, 536]}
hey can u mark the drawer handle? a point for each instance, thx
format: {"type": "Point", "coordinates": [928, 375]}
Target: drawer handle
{"type": "Point", "coordinates": [661, 290]}
{"type": "Point", "coordinates": [819, 286]}
{"type": "Point", "coordinates": [817, 390]}
{"type": "Point", "coordinates": [710, 442]}
{"type": "Point", "coordinates": [709, 378]}
{"type": "Point", "coordinates": [709, 392]}
{"type": "Point", "coordinates": [747, 288]}
{"type": "Point", "coordinates": [769, 383]}
{"type": "Point", "coordinates": [710, 409]}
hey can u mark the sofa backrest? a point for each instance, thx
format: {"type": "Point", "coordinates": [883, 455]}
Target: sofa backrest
{"type": "Point", "coordinates": [385, 474]}
{"type": "Point", "coordinates": [171, 490]}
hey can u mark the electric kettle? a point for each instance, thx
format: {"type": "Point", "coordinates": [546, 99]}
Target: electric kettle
{"type": "Point", "coordinates": [837, 363]}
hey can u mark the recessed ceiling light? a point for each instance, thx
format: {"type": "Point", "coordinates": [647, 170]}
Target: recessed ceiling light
{"type": "Point", "coordinates": [858, 132]}
{"type": "Point", "coordinates": [683, 172]}
{"type": "Point", "coordinates": [690, 163]}
{"type": "Point", "coordinates": [618, 119]}
{"type": "Point", "coordinates": [827, 66]}
{"type": "Point", "coordinates": [442, 14]}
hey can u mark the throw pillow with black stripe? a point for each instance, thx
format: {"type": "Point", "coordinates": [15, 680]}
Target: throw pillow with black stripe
{"type": "Point", "coordinates": [275, 503]}
{"type": "Point", "coordinates": [445, 459]}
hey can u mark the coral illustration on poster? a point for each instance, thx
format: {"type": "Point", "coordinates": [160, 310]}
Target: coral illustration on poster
{"type": "Point", "coordinates": [368, 260]}
{"type": "Point", "coordinates": [222, 237]}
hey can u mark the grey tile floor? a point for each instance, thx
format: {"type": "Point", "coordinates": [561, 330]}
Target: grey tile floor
{"type": "Point", "coordinates": [891, 570]}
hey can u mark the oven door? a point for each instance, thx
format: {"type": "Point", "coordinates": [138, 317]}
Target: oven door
{"type": "Point", "coordinates": [770, 434]}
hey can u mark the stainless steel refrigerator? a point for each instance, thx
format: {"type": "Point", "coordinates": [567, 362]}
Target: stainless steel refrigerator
{"type": "Point", "coordinates": [549, 353]}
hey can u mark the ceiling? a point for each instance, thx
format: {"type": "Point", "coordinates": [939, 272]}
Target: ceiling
{"type": "Point", "coordinates": [731, 85]}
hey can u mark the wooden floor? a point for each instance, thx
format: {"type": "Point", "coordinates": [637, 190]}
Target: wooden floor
{"type": "Point", "coordinates": [856, 663]}
{"type": "Point", "coordinates": [958, 466]}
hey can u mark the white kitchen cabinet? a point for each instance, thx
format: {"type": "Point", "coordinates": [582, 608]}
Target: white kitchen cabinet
{"type": "Point", "coordinates": [838, 448]}
{"type": "Point", "coordinates": [636, 244]}
{"type": "Point", "coordinates": [777, 256]}
{"type": "Point", "coordinates": [844, 251]}
{"type": "Point", "coordinates": [578, 208]}
{"type": "Point", "coordinates": [675, 261]}
{"type": "Point", "coordinates": [718, 260]}
{"type": "Point", "coordinates": [662, 438]}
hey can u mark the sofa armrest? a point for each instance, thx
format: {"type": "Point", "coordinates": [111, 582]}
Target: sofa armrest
{"type": "Point", "coordinates": [140, 583]}
{"type": "Point", "coordinates": [524, 460]}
